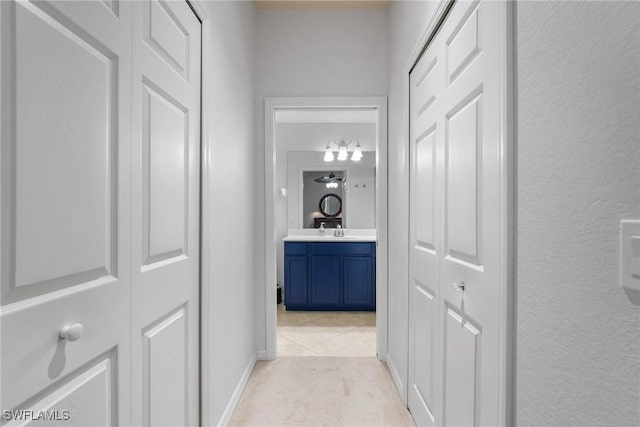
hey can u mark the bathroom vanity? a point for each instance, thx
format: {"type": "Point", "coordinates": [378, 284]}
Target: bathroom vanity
{"type": "Point", "coordinates": [330, 273]}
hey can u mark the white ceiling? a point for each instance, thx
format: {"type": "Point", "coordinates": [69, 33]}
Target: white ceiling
{"type": "Point", "coordinates": [325, 116]}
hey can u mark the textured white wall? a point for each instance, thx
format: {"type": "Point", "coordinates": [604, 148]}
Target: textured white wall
{"type": "Point", "coordinates": [311, 53]}
{"type": "Point", "coordinates": [231, 286]}
{"type": "Point", "coordinates": [407, 22]}
{"type": "Point", "coordinates": [578, 336]}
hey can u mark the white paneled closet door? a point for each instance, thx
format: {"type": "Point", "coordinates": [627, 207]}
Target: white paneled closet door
{"type": "Point", "coordinates": [100, 167]}
{"type": "Point", "coordinates": [165, 206]}
{"type": "Point", "coordinates": [66, 95]}
{"type": "Point", "coordinates": [457, 367]}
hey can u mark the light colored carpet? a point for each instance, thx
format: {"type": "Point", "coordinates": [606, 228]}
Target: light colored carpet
{"type": "Point", "coordinates": [321, 391]}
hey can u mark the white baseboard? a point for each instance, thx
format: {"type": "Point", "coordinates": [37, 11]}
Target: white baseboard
{"type": "Point", "coordinates": [235, 397]}
{"type": "Point", "coordinates": [261, 355]}
{"type": "Point", "coordinates": [396, 379]}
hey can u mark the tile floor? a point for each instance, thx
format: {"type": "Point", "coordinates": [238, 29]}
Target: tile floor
{"type": "Point", "coordinates": [326, 333]}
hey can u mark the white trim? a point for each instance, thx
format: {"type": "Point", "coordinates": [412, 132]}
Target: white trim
{"type": "Point", "coordinates": [206, 157]}
{"type": "Point", "coordinates": [508, 189]}
{"type": "Point", "coordinates": [508, 320]}
{"type": "Point", "coordinates": [271, 104]}
{"type": "Point", "coordinates": [395, 376]}
{"type": "Point", "coordinates": [199, 10]}
{"type": "Point", "coordinates": [261, 355]}
{"type": "Point", "coordinates": [237, 393]}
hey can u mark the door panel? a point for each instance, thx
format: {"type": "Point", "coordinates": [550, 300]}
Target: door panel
{"type": "Point", "coordinates": [462, 349]}
{"type": "Point", "coordinates": [165, 348]}
{"type": "Point", "coordinates": [456, 341]}
{"type": "Point", "coordinates": [424, 339]}
{"type": "Point", "coordinates": [426, 155]}
{"type": "Point", "coordinates": [167, 36]}
{"type": "Point", "coordinates": [463, 186]}
{"type": "Point", "coordinates": [91, 389]}
{"type": "Point", "coordinates": [463, 44]}
{"type": "Point", "coordinates": [165, 221]}
{"type": "Point", "coordinates": [65, 94]}
{"type": "Point", "coordinates": [425, 182]}
{"type": "Point", "coordinates": [48, 173]}
{"type": "Point", "coordinates": [165, 172]}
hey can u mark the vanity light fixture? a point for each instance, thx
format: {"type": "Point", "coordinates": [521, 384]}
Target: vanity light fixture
{"type": "Point", "coordinates": [332, 185]}
{"type": "Point", "coordinates": [343, 153]}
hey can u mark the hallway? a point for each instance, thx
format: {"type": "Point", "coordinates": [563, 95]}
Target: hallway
{"type": "Point", "coordinates": [154, 156]}
{"type": "Point", "coordinates": [355, 391]}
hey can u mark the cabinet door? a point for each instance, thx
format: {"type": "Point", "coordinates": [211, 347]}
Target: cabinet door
{"type": "Point", "coordinates": [325, 280]}
{"type": "Point", "coordinates": [358, 281]}
{"type": "Point", "coordinates": [295, 290]}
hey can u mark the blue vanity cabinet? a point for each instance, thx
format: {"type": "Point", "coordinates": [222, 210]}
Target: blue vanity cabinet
{"type": "Point", "coordinates": [358, 272]}
{"type": "Point", "coordinates": [324, 289]}
{"type": "Point", "coordinates": [296, 273]}
{"type": "Point", "coordinates": [330, 276]}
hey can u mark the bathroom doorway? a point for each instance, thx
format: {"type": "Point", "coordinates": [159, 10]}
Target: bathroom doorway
{"type": "Point", "coordinates": [333, 150]}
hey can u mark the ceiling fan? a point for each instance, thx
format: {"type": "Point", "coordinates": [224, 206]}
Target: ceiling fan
{"type": "Point", "coordinates": [328, 178]}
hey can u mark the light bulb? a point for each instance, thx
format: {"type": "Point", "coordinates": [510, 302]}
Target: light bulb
{"type": "Point", "coordinates": [328, 155]}
{"type": "Point", "coordinates": [342, 153]}
{"type": "Point", "coordinates": [357, 153]}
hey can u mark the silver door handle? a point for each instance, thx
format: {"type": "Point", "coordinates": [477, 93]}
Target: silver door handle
{"type": "Point", "coordinates": [71, 332]}
{"type": "Point", "coordinates": [458, 286]}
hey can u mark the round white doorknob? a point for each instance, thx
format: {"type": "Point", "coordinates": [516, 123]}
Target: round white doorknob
{"type": "Point", "coordinates": [458, 286]}
{"type": "Point", "coordinates": [71, 332]}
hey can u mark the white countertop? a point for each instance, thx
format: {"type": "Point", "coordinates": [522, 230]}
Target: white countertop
{"type": "Point", "coordinates": [330, 238]}
{"type": "Point", "coordinates": [313, 235]}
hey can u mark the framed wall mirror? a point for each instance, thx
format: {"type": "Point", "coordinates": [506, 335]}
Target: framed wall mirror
{"type": "Point", "coordinates": [330, 205]}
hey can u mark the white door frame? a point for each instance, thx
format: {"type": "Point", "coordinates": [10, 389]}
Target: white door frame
{"type": "Point", "coordinates": [508, 190]}
{"type": "Point", "coordinates": [206, 158]}
{"type": "Point", "coordinates": [271, 105]}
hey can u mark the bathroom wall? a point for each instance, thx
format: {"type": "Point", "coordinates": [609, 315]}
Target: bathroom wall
{"type": "Point", "coordinates": [230, 339]}
{"type": "Point", "coordinates": [311, 53]}
{"type": "Point", "coordinates": [578, 144]}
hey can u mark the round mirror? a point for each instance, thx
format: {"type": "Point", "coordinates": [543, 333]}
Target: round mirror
{"type": "Point", "coordinates": [330, 205]}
